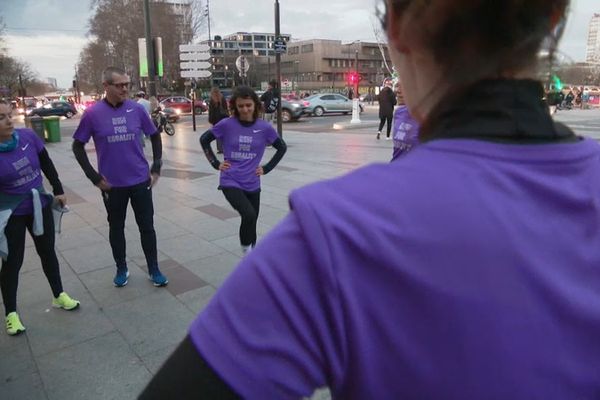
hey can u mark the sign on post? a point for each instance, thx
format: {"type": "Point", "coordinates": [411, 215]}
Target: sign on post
{"type": "Point", "coordinates": [199, 73]}
{"type": "Point", "coordinates": [194, 60]}
{"type": "Point", "coordinates": [194, 48]}
{"type": "Point", "coordinates": [280, 45]}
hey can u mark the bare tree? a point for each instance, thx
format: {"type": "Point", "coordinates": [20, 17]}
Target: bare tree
{"type": "Point", "coordinates": [196, 18]}
{"type": "Point", "coordinates": [115, 27]}
{"type": "Point", "coordinates": [381, 43]}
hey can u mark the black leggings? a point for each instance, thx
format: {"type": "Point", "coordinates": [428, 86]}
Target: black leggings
{"type": "Point", "coordinates": [248, 205]}
{"type": "Point", "coordinates": [382, 121]}
{"type": "Point", "coordinates": [44, 245]}
{"type": "Point", "coordinates": [115, 201]}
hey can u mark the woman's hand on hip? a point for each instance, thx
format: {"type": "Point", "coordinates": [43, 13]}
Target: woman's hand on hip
{"type": "Point", "coordinates": [224, 166]}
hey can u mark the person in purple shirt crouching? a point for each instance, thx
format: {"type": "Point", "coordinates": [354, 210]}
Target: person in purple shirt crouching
{"type": "Point", "coordinates": [116, 124]}
{"type": "Point", "coordinates": [244, 138]}
{"type": "Point", "coordinates": [475, 276]}
{"type": "Point", "coordinates": [25, 206]}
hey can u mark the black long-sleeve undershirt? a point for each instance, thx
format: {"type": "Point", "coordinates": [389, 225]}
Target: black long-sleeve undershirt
{"type": "Point", "coordinates": [89, 171]}
{"type": "Point", "coordinates": [207, 138]}
{"type": "Point", "coordinates": [47, 167]}
{"type": "Point", "coordinates": [186, 375]}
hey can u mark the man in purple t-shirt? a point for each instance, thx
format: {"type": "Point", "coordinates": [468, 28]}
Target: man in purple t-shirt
{"type": "Point", "coordinates": [116, 125]}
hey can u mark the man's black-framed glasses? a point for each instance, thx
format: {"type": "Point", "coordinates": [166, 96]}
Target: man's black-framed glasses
{"type": "Point", "coordinates": [124, 85]}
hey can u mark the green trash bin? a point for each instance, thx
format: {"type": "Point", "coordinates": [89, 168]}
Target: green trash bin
{"type": "Point", "coordinates": [37, 124]}
{"type": "Point", "coordinates": [52, 125]}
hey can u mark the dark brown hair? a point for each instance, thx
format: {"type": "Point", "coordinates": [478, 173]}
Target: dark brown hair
{"type": "Point", "coordinates": [245, 92]}
{"type": "Point", "coordinates": [216, 96]}
{"type": "Point", "coordinates": [473, 40]}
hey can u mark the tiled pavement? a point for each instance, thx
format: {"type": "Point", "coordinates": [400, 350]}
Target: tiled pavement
{"type": "Point", "coordinates": [111, 346]}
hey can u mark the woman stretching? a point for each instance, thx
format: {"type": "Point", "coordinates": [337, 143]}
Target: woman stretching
{"type": "Point", "coordinates": [244, 137]}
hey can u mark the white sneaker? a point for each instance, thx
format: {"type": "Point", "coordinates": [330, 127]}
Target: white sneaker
{"type": "Point", "coordinates": [246, 249]}
{"type": "Point", "coordinates": [388, 138]}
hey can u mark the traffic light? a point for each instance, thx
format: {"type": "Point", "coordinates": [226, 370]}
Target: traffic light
{"type": "Point", "coordinates": [353, 78]}
{"type": "Point", "coordinates": [558, 85]}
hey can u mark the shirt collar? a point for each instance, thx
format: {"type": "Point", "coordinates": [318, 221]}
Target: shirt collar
{"type": "Point", "coordinates": [499, 110]}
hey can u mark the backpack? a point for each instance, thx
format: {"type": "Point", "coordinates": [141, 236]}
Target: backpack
{"type": "Point", "coordinates": [272, 107]}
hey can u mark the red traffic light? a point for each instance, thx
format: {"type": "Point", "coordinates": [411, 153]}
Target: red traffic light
{"type": "Point", "coordinates": [353, 77]}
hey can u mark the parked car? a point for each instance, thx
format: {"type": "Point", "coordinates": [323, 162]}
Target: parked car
{"type": "Point", "coordinates": [171, 114]}
{"type": "Point", "coordinates": [291, 110]}
{"type": "Point", "coordinates": [59, 108]}
{"type": "Point", "coordinates": [319, 104]}
{"type": "Point", "coordinates": [183, 105]}
{"type": "Point", "coordinates": [368, 97]}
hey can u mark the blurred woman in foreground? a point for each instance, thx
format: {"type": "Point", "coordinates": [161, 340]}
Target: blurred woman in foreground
{"type": "Point", "coordinates": [480, 280]}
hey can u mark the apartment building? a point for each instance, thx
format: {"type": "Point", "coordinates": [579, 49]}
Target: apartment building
{"type": "Point", "coordinates": [593, 43]}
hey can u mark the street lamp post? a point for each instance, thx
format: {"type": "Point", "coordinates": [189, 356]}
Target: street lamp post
{"type": "Point", "coordinates": [278, 70]}
{"type": "Point", "coordinates": [149, 51]}
{"type": "Point", "coordinates": [295, 89]}
{"type": "Point", "coordinates": [355, 102]}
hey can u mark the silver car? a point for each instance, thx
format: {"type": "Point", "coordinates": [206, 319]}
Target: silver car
{"type": "Point", "coordinates": [319, 104]}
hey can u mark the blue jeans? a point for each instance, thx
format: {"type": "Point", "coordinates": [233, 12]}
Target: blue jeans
{"type": "Point", "coordinates": [115, 201]}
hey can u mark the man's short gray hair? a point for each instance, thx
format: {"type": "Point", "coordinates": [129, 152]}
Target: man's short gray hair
{"type": "Point", "coordinates": [107, 74]}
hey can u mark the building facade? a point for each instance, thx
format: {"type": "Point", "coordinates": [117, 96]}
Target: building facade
{"type": "Point", "coordinates": [593, 43]}
{"type": "Point", "coordinates": [308, 66]}
{"type": "Point", "coordinates": [320, 64]}
{"type": "Point", "coordinates": [256, 47]}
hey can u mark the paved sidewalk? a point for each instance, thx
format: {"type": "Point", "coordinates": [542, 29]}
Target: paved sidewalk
{"type": "Point", "coordinates": [111, 346]}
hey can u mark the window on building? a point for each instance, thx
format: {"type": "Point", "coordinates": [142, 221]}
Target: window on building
{"type": "Point", "coordinates": [293, 50]}
{"type": "Point", "coordinates": [307, 48]}
{"type": "Point", "coordinates": [260, 45]}
{"type": "Point", "coordinates": [261, 38]}
{"type": "Point", "coordinates": [247, 38]}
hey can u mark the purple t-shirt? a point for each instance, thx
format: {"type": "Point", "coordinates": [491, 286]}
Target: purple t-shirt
{"type": "Point", "coordinates": [117, 134]}
{"type": "Point", "coordinates": [405, 132]}
{"type": "Point", "coordinates": [483, 284]}
{"type": "Point", "coordinates": [243, 147]}
{"type": "Point", "coordinates": [20, 170]}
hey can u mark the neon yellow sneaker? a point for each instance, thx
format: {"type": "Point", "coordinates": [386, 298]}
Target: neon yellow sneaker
{"type": "Point", "coordinates": [13, 324]}
{"type": "Point", "coordinates": [65, 302]}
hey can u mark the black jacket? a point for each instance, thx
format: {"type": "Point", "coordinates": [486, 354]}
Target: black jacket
{"type": "Point", "coordinates": [387, 101]}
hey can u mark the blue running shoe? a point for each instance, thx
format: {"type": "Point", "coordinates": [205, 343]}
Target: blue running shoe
{"type": "Point", "coordinates": [121, 278]}
{"type": "Point", "coordinates": [157, 278]}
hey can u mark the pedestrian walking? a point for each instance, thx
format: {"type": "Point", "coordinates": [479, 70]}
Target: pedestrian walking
{"type": "Point", "coordinates": [467, 269]}
{"type": "Point", "coordinates": [141, 99]}
{"type": "Point", "coordinates": [25, 205]}
{"type": "Point", "coordinates": [387, 101]}
{"type": "Point", "coordinates": [270, 100]}
{"type": "Point", "coordinates": [244, 137]}
{"type": "Point", "coordinates": [217, 110]}
{"type": "Point", "coordinates": [116, 124]}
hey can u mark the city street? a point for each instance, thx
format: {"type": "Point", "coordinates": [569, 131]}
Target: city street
{"type": "Point", "coordinates": [111, 346]}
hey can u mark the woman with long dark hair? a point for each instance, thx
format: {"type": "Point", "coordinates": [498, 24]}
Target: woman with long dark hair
{"type": "Point", "coordinates": [473, 273]}
{"type": "Point", "coordinates": [244, 138]}
{"type": "Point", "coordinates": [217, 110]}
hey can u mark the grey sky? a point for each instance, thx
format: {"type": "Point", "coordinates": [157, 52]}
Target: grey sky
{"type": "Point", "coordinates": [49, 34]}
